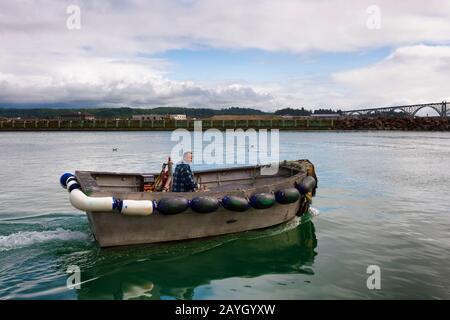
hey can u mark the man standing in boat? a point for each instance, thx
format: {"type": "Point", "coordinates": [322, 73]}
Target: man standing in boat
{"type": "Point", "coordinates": [183, 178]}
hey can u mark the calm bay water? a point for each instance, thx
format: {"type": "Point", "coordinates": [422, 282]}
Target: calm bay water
{"type": "Point", "coordinates": [383, 198]}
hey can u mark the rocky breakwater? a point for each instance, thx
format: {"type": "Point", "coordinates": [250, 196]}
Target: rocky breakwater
{"type": "Point", "coordinates": [394, 123]}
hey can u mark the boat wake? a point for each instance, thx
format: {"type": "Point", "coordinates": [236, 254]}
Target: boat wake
{"type": "Point", "coordinates": [314, 211]}
{"type": "Point", "coordinates": [27, 238]}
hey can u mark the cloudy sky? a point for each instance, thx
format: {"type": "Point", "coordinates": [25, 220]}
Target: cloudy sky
{"type": "Point", "coordinates": [219, 53]}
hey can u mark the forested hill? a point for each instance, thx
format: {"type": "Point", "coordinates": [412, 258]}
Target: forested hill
{"type": "Point", "coordinates": [49, 113]}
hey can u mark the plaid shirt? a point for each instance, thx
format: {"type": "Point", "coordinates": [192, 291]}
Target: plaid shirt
{"type": "Point", "coordinates": [183, 179]}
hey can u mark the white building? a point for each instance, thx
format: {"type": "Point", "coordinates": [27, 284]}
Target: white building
{"type": "Point", "coordinates": [147, 117]}
{"type": "Point", "coordinates": [178, 116]}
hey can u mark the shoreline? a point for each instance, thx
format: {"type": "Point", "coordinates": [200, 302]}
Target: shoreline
{"type": "Point", "coordinates": [343, 124]}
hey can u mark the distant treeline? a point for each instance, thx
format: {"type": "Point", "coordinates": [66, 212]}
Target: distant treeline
{"type": "Point", "coordinates": [52, 113]}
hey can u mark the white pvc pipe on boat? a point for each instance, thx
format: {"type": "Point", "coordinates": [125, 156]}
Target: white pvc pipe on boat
{"type": "Point", "coordinates": [101, 204]}
{"type": "Point", "coordinates": [82, 202]}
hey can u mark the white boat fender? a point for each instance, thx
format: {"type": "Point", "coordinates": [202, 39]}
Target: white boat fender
{"type": "Point", "coordinates": [137, 207]}
{"type": "Point", "coordinates": [95, 204]}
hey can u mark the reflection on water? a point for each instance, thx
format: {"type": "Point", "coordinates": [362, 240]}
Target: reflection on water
{"type": "Point", "coordinates": [176, 270]}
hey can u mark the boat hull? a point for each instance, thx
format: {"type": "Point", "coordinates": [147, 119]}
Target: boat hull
{"type": "Point", "coordinates": [112, 229]}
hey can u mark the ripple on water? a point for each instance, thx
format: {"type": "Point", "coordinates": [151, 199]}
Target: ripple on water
{"type": "Point", "coordinates": [383, 198]}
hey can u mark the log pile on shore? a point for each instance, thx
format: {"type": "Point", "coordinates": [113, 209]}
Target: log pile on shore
{"type": "Point", "coordinates": [394, 123]}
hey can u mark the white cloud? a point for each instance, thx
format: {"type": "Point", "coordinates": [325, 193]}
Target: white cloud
{"type": "Point", "coordinates": [410, 75]}
{"type": "Point", "coordinates": [113, 27]}
{"type": "Point", "coordinates": [42, 61]}
{"type": "Point", "coordinates": [109, 82]}
{"type": "Point", "coordinates": [413, 74]}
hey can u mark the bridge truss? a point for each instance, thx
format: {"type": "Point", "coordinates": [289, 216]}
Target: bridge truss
{"type": "Point", "coordinates": [442, 108]}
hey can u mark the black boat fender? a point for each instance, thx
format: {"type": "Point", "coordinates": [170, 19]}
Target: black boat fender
{"type": "Point", "coordinates": [172, 205]}
{"type": "Point", "coordinates": [286, 196]}
{"type": "Point", "coordinates": [204, 204]}
{"type": "Point", "coordinates": [235, 203]}
{"type": "Point", "coordinates": [262, 200]}
{"type": "Point", "coordinates": [306, 185]}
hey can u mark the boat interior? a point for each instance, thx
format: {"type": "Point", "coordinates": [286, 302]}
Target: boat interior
{"type": "Point", "coordinates": [213, 180]}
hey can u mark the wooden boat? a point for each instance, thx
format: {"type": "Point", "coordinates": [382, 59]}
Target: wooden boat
{"type": "Point", "coordinates": [236, 200]}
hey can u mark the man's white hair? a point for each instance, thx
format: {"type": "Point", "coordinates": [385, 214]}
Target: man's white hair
{"type": "Point", "coordinates": [186, 155]}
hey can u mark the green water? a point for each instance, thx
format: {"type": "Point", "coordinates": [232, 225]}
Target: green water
{"type": "Point", "coordinates": [383, 200]}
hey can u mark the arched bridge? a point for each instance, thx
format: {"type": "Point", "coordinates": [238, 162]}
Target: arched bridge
{"type": "Point", "coordinates": [441, 108]}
